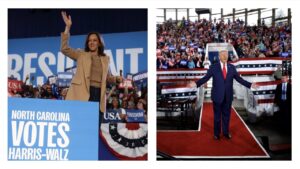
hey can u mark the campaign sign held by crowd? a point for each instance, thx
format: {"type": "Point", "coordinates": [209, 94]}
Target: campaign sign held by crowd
{"type": "Point", "coordinates": [52, 130]}
{"type": "Point", "coordinates": [140, 78]}
{"type": "Point", "coordinates": [64, 79]}
{"type": "Point", "coordinates": [15, 85]}
{"type": "Point", "coordinates": [135, 115]}
{"type": "Point", "coordinates": [112, 116]}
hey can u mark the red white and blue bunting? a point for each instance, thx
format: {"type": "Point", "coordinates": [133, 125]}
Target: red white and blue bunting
{"type": "Point", "coordinates": [249, 66]}
{"type": "Point", "coordinates": [169, 76]}
{"type": "Point", "coordinates": [257, 66]}
{"type": "Point", "coordinates": [259, 101]}
{"type": "Point", "coordinates": [126, 143]}
{"type": "Point", "coordinates": [179, 92]}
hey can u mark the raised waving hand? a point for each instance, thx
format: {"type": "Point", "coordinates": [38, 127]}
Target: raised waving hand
{"type": "Point", "coordinates": [68, 21]}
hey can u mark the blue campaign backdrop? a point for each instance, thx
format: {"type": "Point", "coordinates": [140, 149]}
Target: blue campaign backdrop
{"type": "Point", "coordinates": [41, 57]}
{"type": "Point", "coordinates": [68, 129]}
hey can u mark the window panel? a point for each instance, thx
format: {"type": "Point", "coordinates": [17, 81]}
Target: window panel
{"type": "Point", "coordinates": [171, 14]}
{"type": "Point", "coordinates": [281, 12]}
{"type": "Point", "coordinates": [252, 19]}
{"type": "Point", "coordinates": [227, 11]}
{"type": "Point", "coordinates": [182, 13]}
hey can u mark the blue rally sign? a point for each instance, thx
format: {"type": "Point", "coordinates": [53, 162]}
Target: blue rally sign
{"type": "Point", "coordinates": [41, 57]}
{"type": "Point", "coordinates": [52, 130]}
{"type": "Point", "coordinates": [112, 116]}
{"type": "Point", "coordinates": [135, 116]}
{"type": "Point", "coordinates": [140, 78]}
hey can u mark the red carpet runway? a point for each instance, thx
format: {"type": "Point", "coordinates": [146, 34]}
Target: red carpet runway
{"type": "Point", "coordinates": [200, 144]}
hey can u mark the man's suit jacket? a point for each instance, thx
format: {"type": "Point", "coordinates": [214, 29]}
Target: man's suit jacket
{"type": "Point", "coordinates": [221, 87]}
{"type": "Point", "coordinates": [278, 93]}
{"type": "Point", "coordinates": [80, 84]}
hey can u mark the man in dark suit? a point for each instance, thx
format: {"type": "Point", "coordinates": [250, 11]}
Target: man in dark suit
{"type": "Point", "coordinates": [283, 98]}
{"type": "Point", "coordinates": [223, 74]}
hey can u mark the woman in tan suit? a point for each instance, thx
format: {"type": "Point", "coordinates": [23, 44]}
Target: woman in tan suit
{"type": "Point", "coordinates": [92, 74]}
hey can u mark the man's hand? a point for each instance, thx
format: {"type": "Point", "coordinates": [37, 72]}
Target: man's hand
{"type": "Point", "coordinates": [254, 85]}
{"type": "Point", "coordinates": [192, 84]}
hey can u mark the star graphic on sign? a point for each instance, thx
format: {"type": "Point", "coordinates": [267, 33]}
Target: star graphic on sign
{"type": "Point", "coordinates": [120, 139]}
{"type": "Point", "coordinates": [112, 127]}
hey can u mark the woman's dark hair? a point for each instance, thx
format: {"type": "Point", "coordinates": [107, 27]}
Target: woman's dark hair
{"type": "Point", "coordinates": [101, 43]}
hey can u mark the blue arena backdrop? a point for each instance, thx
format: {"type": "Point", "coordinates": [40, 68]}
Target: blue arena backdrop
{"type": "Point", "coordinates": [66, 130]}
{"type": "Point", "coordinates": [41, 57]}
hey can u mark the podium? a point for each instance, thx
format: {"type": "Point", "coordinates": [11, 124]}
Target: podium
{"type": "Point", "coordinates": [41, 129]}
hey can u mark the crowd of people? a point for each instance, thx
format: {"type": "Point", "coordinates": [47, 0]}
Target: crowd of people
{"type": "Point", "coordinates": [182, 44]}
{"type": "Point", "coordinates": [126, 98]}
{"type": "Point", "coordinates": [45, 91]}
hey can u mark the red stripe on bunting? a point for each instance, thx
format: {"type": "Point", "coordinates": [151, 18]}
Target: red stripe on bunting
{"type": "Point", "coordinates": [182, 69]}
{"type": "Point", "coordinates": [255, 72]}
{"type": "Point", "coordinates": [263, 101]}
{"type": "Point", "coordinates": [269, 83]}
{"type": "Point", "coordinates": [253, 59]}
{"type": "Point", "coordinates": [175, 80]}
{"type": "Point", "coordinates": [175, 86]}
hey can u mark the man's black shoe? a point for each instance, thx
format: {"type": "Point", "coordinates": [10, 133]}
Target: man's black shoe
{"type": "Point", "coordinates": [217, 137]}
{"type": "Point", "coordinates": [228, 136]}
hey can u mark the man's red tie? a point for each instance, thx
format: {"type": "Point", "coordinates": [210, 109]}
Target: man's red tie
{"type": "Point", "coordinates": [224, 70]}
